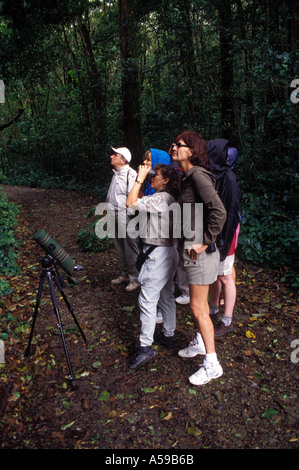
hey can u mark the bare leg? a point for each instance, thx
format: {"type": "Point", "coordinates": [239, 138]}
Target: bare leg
{"type": "Point", "coordinates": [229, 292]}
{"type": "Point", "coordinates": [200, 309]}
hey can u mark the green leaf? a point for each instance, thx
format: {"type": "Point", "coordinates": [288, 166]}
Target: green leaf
{"type": "Point", "coordinates": [104, 396]}
{"type": "Point", "coordinates": [269, 413]}
{"type": "Point", "coordinates": [96, 364]}
{"type": "Point", "coordinates": [66, 426]}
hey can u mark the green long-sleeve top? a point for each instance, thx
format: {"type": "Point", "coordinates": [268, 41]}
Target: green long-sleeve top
{"type": "Point", "coordinates": [198, 186]}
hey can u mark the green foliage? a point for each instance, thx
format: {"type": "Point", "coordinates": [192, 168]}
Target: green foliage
{"type": "Point", "coordinates": [87, 239]}
{"type": "Point", "coordinates": [269, 237]}
{"type": "Point", "coordinates": [8, 243]}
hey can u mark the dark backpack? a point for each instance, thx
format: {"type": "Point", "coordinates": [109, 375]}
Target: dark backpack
{"type": "Point", "coordinates": [222, 160]}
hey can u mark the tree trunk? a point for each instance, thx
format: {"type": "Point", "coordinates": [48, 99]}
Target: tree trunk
{"type": "Point", "coordinates": [82, 89]}
{"type": "Point", "coordinates": [292, 24]}
{"type": "Point", "coordinates": [246, 62]}
{"type": "Point", "coordinates": [188, 59]}
{"type": "Point", "coordinates": [97, 90]}
{"type": "Point", "coordinates": [227, 72]}
{"type": "Point", "coordinates": [131, 112]}
{"type": "Point", "coordinates": [274, 92]}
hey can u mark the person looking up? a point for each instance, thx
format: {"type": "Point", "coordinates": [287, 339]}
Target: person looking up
{"type": "Point", "coordinates": [127, 248]}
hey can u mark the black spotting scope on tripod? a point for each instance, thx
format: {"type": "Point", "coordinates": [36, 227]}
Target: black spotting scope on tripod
{"type": "Point", "coordinates": [50, 271]}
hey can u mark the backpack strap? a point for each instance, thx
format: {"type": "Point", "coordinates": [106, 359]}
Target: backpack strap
{"type": "Point", "coordinates": [142, 257]}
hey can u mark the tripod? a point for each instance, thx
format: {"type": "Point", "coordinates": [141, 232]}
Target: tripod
{"type": "Point", "coordinates": [53, 274]}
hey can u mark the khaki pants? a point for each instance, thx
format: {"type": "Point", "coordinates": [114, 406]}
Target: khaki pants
{"type": "Point", "coordinates": [127, 249]}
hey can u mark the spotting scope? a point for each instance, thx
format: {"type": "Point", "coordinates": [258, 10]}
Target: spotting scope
{"type": "Point", "coordinates": [53, 249]}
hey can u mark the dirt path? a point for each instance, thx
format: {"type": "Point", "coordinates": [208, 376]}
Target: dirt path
{"type": "Point", "coordinates": [253, 405]}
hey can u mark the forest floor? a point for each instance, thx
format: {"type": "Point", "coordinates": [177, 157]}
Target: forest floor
{"type": "Point", "coordinates": [254, 405]}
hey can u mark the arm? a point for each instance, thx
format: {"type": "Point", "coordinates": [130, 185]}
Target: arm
{"type": "Point", "coordinates": [133, 194]}
{"type": "Point", "coordinates": [196, 249]}
{"type": "Point", "coordinates": [216, 212]}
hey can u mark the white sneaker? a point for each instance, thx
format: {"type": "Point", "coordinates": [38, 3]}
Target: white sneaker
{"type": "Point", "coordinates": [120, 280]}
{"type": "Point", "coordinates": [193, 349]}
{"type": "Point", "coordinates": [205, 373]}
{"type": "Point", "coordinates": [183, 299]}
{"type": "Point", "coordinates": [159, 317]}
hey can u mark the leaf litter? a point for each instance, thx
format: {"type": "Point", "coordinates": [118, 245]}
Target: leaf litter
{"type": "Point", "coordinates": [253, 405]}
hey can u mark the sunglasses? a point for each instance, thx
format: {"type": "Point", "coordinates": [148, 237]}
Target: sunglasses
{"type": "Point", "coordinates": [179, 144]}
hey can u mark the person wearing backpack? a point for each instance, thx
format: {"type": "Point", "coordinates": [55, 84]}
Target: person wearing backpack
{"type": "Point", "coordinates": [222, 161]}
{"type": "Point", "coordinates": [201, 256]}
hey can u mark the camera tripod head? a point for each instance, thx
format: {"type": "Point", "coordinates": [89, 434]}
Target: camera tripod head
{"type": "Point", "coordinates": [47, 262]}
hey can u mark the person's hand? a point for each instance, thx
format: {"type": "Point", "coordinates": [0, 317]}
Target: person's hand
{"type": "Point", "coordinates": [196, 249]}
{"type": "Point", "coordinates": [143, 171]}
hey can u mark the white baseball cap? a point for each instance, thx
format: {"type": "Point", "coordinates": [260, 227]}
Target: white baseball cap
{"type": "Point", "coordinates": [124, 152]}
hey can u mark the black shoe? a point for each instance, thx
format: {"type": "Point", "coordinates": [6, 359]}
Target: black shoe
{"type": "Point", "coordinates": [220, 329]}
{"type": "Point", "coordinates": [163, 340]}
{"type": "Point", "coordinates": [141, 356]}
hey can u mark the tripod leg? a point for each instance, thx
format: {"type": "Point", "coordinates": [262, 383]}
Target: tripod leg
{"type": "Point", "coordinates": [70, 308]}
{"type": "Point", "coordinates": [56, 311]}
{"type": "Point", "coordinates": [37, 304]}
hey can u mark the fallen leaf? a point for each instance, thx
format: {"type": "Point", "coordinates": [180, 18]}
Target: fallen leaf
{"type": "Point", "coordinates": [249, 334]}
{"type": "Point", "coordinates": [66, 426]}
{"type": "Point", "coordinates": [168, 416]}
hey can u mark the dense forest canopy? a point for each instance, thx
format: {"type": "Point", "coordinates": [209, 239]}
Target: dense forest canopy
{"type": "Point", "coordinates": [83, 75]}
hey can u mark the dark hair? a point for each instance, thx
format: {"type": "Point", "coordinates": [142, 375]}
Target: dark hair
{"type": "Point", "coordinates": [198, 146]}
{"type": "Point", "coordinates": [169, 172]}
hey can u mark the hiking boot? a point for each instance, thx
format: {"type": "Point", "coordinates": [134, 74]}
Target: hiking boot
{"type": "Point", "coordinates": [193, 349]}
{"type": "Point", "coordinates": [221, 329]}
{"type": "Point", "coordinates": [215, 317]}
{"type": "Point", "coordinates": [120, 280]}
{"type": "Point", "coordinates": [142, 355]}
{"type": "Point", "coordinates": [205, 373]}
{"type": "Point", "coordinates": [183, 299]}
{"type": "Point", "coordinates": [132, 286]}
{"type": "Point", "coordinates": [163, 340]}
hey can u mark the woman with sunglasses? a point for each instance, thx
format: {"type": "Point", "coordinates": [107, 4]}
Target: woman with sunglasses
{"type": "Point", "coordinates": [157, 272]}
{"type": "Point", "coordinates": [201, 257]}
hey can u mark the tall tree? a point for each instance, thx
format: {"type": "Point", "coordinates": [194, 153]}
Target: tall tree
{"type": "Point", "coordinates": [226, 68]}
{"type": "Point", "coordinates": [130, 85]}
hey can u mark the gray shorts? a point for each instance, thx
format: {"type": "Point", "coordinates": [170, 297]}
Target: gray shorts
{"type": "Point", "coordinates": [202, 271]}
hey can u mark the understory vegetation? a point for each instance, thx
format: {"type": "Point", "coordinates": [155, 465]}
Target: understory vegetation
{"type": "Point", "coordinates": [8, 244]}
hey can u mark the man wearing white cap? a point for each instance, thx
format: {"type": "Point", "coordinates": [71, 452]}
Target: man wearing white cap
{"type": "Point", "coordinates": [127, 248]}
